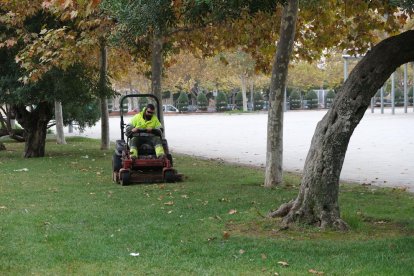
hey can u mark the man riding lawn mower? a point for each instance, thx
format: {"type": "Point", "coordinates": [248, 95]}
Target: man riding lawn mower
{"type": "Point", "coordinates": [144, 157]}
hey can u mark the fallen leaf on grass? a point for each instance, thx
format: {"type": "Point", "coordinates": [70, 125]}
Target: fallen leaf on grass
{"type": "Point", "coordinates": [224, 199]}
{"type": "Point", "coordinates": [21, 170]}
{"type": "Point", "coordinates": [232, 211]}
{"type": "Point", "coordinates": [313, 271]}
{"type": "Point", "coordinates": [282, 263]}
{"type": "Point", "coordinates": [169, 203]}
{"type": "Point", "coordinates": [226, 235]}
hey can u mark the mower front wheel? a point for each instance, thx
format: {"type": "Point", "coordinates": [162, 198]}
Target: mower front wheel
{"type": "Point", "coordinates": [115, 177]}
{"type": "Point", "coordinates": [169, 157]}
{"type": "Point", "coordinates": [116, 162]}
{"type": "Point", "coordinates": [124, 177]}
{"type": "Point", "coordinates": [170, 176]}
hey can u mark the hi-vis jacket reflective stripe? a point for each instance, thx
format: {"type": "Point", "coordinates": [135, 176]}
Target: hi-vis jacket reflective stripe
{"type": "Point", "coordinates": [138, 121]}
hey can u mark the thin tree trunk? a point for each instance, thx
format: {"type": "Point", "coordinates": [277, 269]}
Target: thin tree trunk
{"type": "Point", "coordinates": [156, 69]}
{"type": "Point", "coordinates": [252, 93]}
{"type": "Point", "coordinates": [317, 201]}
{"type": "Point", "coordinates": [131, 91]}
{"type": "Point", "coordinates": [274, 153]}
{"type": "Point", "coordinates": [243, 79]}
{"type": "Point", "coordinates": [60, 136]}
{"type": "Point", "coordinates": [103, 86]}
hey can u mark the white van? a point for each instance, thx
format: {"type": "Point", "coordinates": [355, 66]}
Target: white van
{"type": "Point", "coordinates": [167, 108]}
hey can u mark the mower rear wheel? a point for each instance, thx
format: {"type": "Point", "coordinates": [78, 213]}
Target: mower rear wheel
{"type": "Point", "coordinates": [124, 178]}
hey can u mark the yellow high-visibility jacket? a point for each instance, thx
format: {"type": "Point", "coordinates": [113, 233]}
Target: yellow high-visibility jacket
{"type": "Point", "coordinates": [138, 121]}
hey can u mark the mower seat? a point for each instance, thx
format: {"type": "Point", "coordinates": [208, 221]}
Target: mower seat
{"type": "Point", "coordinates": [146, 150]}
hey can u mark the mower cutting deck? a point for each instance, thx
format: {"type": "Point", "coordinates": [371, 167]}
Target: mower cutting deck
{"type": "Point", "coordinates": [146, 168]}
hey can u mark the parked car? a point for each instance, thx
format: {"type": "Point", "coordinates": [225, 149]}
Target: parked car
{"type": "Point", "coordinates": [386, 102]}
{"type": "Point", "coordinates": [167, 108]}
{"type": "Point", "coordinates": [192, 108]}
{"type": "Point", "coordinates": [231, 107]}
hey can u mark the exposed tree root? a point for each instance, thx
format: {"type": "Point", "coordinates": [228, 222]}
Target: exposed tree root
{"type": "Point", "coordinates": [283, 210]}
{"type": "Point", "coordinates": [340, 225]}
{"type": "Point", "coordinates": [291, 215]}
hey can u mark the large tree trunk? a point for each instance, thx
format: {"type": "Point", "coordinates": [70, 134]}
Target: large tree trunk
{"type": "Point", "coordinates": [103, 87]}
{"type": "Point", "coordinates": [317, 201]}
{"type": "Point", "coordinates": [156, 69]}
{"type": "Point", "coordinates": [60, 136]}
{"type": "Point", "coordinates": [274, 152]}
{"type": "Point", "coordinates": [35, 123]}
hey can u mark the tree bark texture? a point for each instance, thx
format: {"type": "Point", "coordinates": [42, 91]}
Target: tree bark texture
{"type": "Point", "coordinates": [274, 152]}
{"type": "Point", "coordinates": [60, 136]}
{"type": "Point", "coordinates": [7, 119]}
{"type": "Point", "coordinates": [103, 75]}
{"type": "Point", "coordinates": [35, 125]}
{"type": "Point", "coordinates": [156, 69]}
{"type": "Point", "coordinates": [317, 201]}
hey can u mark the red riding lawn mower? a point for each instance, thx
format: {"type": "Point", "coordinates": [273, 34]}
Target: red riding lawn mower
{"type": "Point", "coordinates": [147, 168]}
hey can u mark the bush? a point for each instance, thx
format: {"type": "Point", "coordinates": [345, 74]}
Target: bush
{"type": "Point", "coordinates": [258, 101]}
{"type": "Point", "coordinates": [142, 102]}
{"type": "Point", "coordinates": [182, 102]}
{"type": "Point", "coordinates": [166, 95]}
{"type": "Point", "coordinates": [329, 98]}
{"type": "Point", "coordinates": [399, 98]}
{"type": "Point", "coordinates": [295, 102]}
{"type": "Point", "coordinates": [312, 99]}
{"type": "Point", "coordinates": [221, 102]}
{"type": "Point", "coordinates": [202, 101]}
{"type": "Point", "coordinates": [239, 100]}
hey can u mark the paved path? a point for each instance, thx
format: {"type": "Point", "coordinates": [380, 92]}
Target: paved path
{"type": "Point", "coordinates": [380, 152]}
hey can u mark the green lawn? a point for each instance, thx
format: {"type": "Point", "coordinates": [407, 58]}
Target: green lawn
{"type": "Point", "coordinates": [64, 215]}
